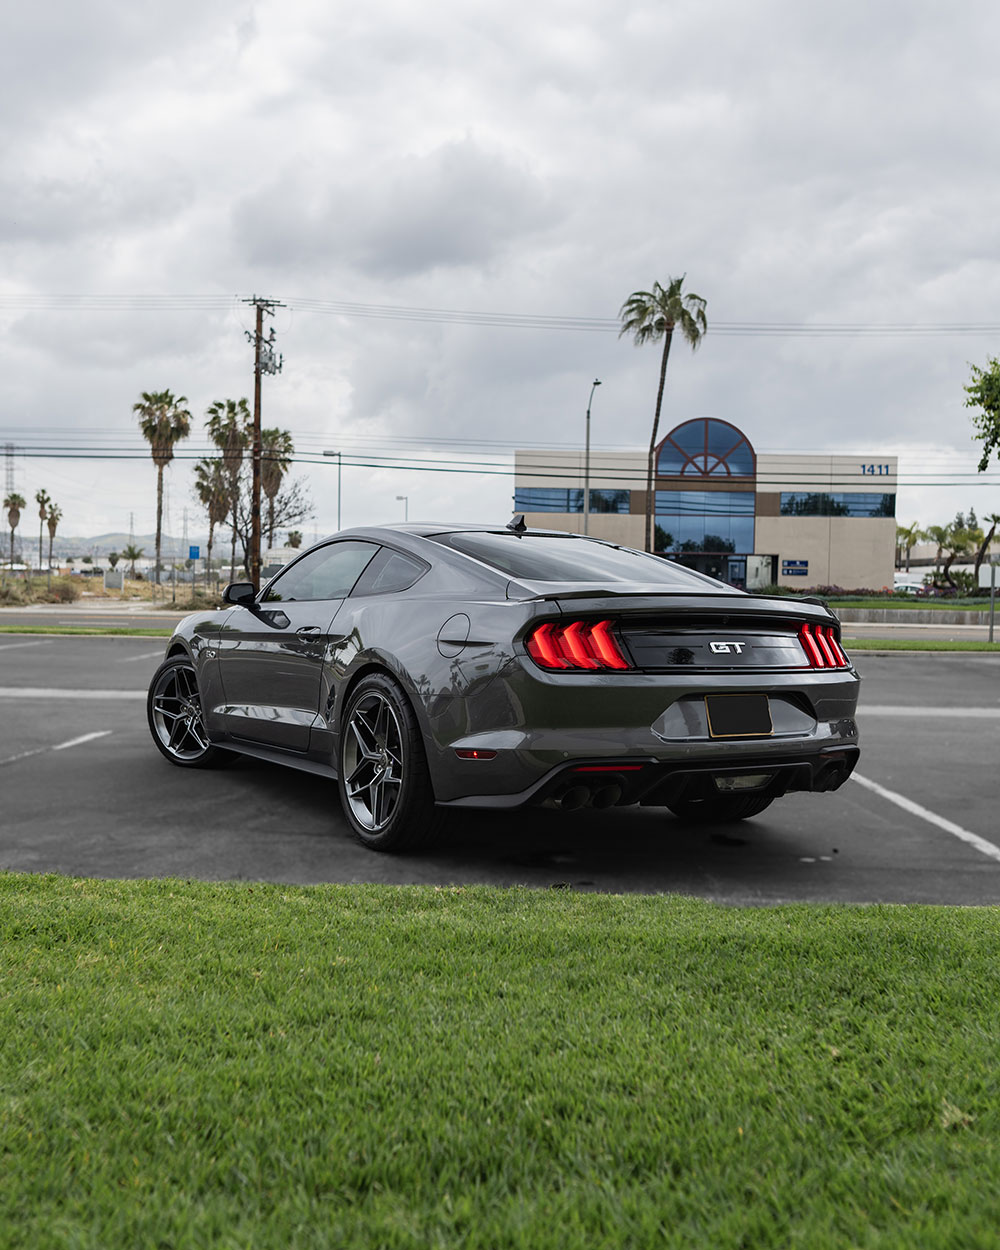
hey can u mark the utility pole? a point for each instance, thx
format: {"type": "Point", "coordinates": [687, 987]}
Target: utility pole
{"type": "Point", "coordinates": [586, 462]}
{"type": "Point", "coordinates": [264, 361]}
{"type": "Point", "coordinates": [185, 549]}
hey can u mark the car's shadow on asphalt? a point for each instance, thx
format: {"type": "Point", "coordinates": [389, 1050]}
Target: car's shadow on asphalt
{"type": "Point", "coordinates": [619, 849]}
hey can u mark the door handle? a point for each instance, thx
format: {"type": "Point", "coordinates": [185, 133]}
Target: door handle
{"type": "Point", "coordinates": [308, 629]}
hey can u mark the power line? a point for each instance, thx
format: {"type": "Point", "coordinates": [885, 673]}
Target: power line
{"type": "Point", "coordinates": [218, 302]}
{"type": "Point", "coordinates": [557, 473]}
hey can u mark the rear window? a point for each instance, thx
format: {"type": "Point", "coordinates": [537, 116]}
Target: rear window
{"type": "Point", "coordinates": [548, 558]}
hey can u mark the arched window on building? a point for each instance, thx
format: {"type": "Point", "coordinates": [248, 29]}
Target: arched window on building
{"type": "Point", "coordinates": [707, 520]}
{"type": "Point", "coordinates": [706, 447]}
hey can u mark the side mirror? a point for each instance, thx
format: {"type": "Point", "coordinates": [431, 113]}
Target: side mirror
{"type": "Point", "coordinates": [241, 593]}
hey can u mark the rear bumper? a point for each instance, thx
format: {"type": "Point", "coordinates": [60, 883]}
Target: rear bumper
{"type": "Point", "coordinates": [533, 728]}
{"type": "Point", "coordinates": [658, 783]}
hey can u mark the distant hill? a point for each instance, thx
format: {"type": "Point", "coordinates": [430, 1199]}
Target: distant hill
{"type": "Point", "coordinates": [101, 544]}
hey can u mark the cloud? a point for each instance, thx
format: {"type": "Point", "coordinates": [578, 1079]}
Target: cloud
{"type": "Point", "coordinates": [808, 163]}
{"type": "Point", "coordinates": [458, 206]}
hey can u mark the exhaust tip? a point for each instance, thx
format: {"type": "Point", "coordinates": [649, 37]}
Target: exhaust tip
{"type": "Point", "coordinates": [574, 797]}
{"type": "Point", "coordinates": [606, 796]}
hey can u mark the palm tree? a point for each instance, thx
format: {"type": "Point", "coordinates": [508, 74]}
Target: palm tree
{"type": "Point", "coordinates": [959, 543]}
{"type": "Point", "coordinates": [131, 553]}
{"type": "Point", "coordinates": [228, 427]}
{"type": "Point", "coordinates": [13, 503]}
{"type": "Point", "coordinates": [906, 537]}
{"type": "Point", "coordinates": [43, 501]}
{"type": "Point", "coordinates": [295, 538]}
{"type": "Point", "coordinates": [212, 487]}
{"type": "Point", "coordinates": [937, 534]}
{"type": "Point", "coordinates": [52, 518]}
{"type": "Point", "coordinates": [163, 422]}
{"type": "Point", "coordinates": [650, 316]}
{"type": "Point", "coordinates": [277, 449]}
{"type": "Point", "coordinates": [994, 520]}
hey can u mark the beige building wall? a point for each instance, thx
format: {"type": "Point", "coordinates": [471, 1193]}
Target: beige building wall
{"type": "Point", "coordinates": [777, 473]}
{"type": "Point", "coordinates": [842, 551]}
{"type": "Point", "coordinates": [565, 470]}
{"type": "Point", "coordinates": [614, 470]}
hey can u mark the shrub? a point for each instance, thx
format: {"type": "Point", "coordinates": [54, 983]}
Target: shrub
{"type": "Point", "coordinates": [63, 591]}
{"type": "Point", "coordinates": [14, 594]}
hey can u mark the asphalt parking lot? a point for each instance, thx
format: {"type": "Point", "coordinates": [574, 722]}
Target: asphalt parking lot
{"type": "Point", "coordinates": [83, 792]}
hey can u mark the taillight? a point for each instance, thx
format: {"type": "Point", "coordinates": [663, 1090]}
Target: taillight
{"type": "Point", "coordinates": [580, 645]}
{"type": "Point", "coordinates": [822, 649]}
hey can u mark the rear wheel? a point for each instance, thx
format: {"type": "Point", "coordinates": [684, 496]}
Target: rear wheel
{"type": "Point", "coordinates": [173, 709]}
{"type": "Point", "coordinates": [385, 787]}
{"type": "Point", "coordinates": [720, 808]}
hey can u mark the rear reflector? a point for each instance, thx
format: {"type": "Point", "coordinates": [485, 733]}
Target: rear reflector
{"type": "Point", "coordinates": [467, 753]}
{"type": "Point", "coordinates": [822, 649]}
{"type": "Point", "coordinates": [580, 645]}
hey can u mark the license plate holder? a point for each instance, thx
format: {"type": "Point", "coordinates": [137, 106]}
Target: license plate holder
{"type": "Point", "coordinates": [738, 716]}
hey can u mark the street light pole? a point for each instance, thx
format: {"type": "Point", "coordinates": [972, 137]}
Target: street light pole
{"type": "Point", "coordinates": [586, 463]}
{"type": "Point", "coordinates": [337, 454]}
{"type": "Point", "coordinates": [405, 501]}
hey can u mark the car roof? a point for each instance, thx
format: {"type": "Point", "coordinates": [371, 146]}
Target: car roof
{"type": "Point", "coordinates": [428, 529]}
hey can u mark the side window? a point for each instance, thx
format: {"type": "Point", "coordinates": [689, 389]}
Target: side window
{"type": "Point", "coordinates": [327, 573]}
{"type": "Point", "coordinates": [389, 573]}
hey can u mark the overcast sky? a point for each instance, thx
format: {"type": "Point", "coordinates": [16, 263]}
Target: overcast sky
{"type": "Point", "coordinates": [807, 163]}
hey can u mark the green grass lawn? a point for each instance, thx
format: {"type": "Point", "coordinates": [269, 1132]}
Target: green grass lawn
{"type": "Point", "coordinates": [98, 630]}
{"type": "Point", "coordinates": [236, 1065]}
{"type": "Point", "coordinates": [913, 605]}
{"type": "Point", "coordinates": [919, 644]}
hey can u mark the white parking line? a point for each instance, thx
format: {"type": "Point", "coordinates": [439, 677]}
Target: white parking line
{"type": "Point", "coordinates": [908, 805]}
{"type": "Point", "coordinates": [146, 655]}
{"type": "Point", "coordinates": [60, 746]}
{"type": "Point", "coordinates": [41, 642]}
{"type": "Point", "coordinates": [41, 692]}
{"type": "Point", "coordinates": [966, 713]}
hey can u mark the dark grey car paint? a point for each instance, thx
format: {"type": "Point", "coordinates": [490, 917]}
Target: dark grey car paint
{"type": "Point", "coordinates": [275, 679]}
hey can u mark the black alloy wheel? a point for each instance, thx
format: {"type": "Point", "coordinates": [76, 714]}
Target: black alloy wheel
{"type": "Point", "coordinates": [385, 787]}
{"type": "Point", "coordinates": [173, 709]}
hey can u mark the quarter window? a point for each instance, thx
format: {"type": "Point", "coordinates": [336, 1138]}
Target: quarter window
{"type": "Point", "coordinates": [389, 573]}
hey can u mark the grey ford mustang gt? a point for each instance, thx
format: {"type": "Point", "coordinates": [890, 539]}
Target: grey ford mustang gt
{"type": "Point", "coordinates": [427, 667]}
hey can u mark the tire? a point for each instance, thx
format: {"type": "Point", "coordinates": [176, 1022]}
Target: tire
{"type": "Point", "coordinates": [720, 809]}
{"type": "Point", "coordinates": [385, 788]}
{"type": "Point", "coordinates": [173, 709]}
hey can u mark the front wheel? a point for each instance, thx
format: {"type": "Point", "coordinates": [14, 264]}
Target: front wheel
{"type": "Point", "coordinates": [385, 787]}
{"type": "Point", "coordinates": [720, 809]}
{"type": "Point", "coordinates": [173, 709]}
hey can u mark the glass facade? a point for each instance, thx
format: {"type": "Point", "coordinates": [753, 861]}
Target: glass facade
{"type": "Point", "coordinates": [547, 499]}
{"type": "Point", "coordinates": [704, 520]}
{"type": "Point", "coordinates": [611, 501]}
{"type": "Point", "coordinates": [705, 447]}
{"type": "Point", "coordinates": [817, 503]}
{"type": "Point", "coordinates": [556, 499]}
